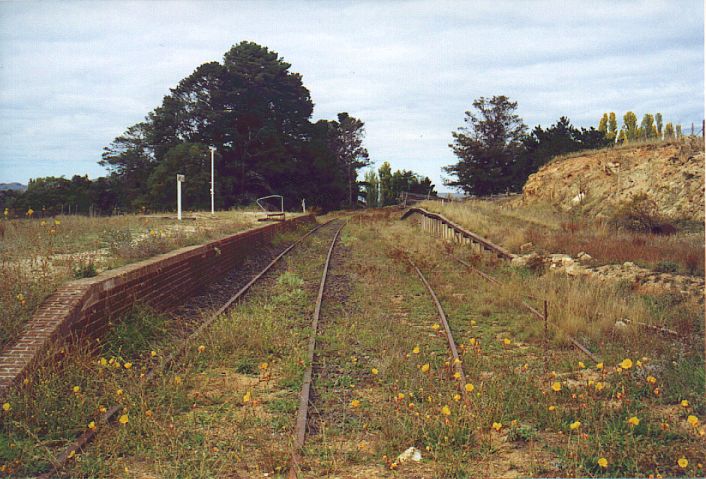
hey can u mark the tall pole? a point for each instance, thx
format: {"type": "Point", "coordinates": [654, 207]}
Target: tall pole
{"type": "Point", "coordinates": [179, 177]}
{"type": "Point", "coordinates": [213, 149]}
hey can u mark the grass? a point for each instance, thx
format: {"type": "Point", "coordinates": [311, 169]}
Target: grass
{"type": "Point", "coordinates": [229, 407]}
{"type": "Point", "coordinates": [552, 231]}
{"type": "Point", "coordinates": [39, 255]}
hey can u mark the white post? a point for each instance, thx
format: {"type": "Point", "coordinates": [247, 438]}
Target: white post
{"type": "Point", "coordinates": [303, 206]}
{"type": "Point", "coordinates": [213, 149]}
{"type": "Point", "coordinates": [180, 178]}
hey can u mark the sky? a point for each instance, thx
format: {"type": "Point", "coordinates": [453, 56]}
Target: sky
{"type": "Point", "coordinates": [74, 75]}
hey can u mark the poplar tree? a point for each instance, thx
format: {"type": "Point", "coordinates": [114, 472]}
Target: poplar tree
{"type": "Point", "coordinates": [658, 120]}
{"type": "Point", "coordinates": [612, 126]}
{"type": "Point", "coordinates": [630, 126]}
{"type": "Point", "coordinates": [679, 133]}
{"type": "Point", "coordinates": [387, 196]}
{"type": "Point", "coordinates": [603, 124]}
{"type": "Point", "coordinates": [669, 131]}
{"type": "Point", "coordinates": [372, 189]}
{"type": "Point", "coordinates": [646, 126]}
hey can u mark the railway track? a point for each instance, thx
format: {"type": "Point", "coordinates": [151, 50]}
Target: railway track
{"type": "Point", "coordinates": [305, 395]}
{"type": "Point", "coordinates": [106, 418]}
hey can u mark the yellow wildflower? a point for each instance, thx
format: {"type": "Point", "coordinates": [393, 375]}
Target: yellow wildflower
{"type": "Point", "coordinates": [425, 368]}
{"type": "Point", "coordinates": [633, 421]}
{"type": "Point", "coordinates": [436, 327]}
{"type": "Point", "coordinates": [457, 397]}
{"type": "Point", "coordinates": [153, 353]}
{"type": "Point", "coordinates": [552, 408]}
{"type": "Point", "coordinates": [507, 341]}
{"type": "Point", "coordinates": [497, 426]}
{"type": "Point", "coordinates": [92, 425]}
{"type": "Point", "coordinates": [651, 379]}
{"type": "Point", "coordinates": [582, 365]}
{"type": "Point", "coordinates": [72, 453]}
{"type": "Point", "coordinates": [103, 361]}
{"type": "Point", "coordinates": [693, 420]}
{"type": "Point", "coordinates": [446, 411]}
{"type": "Point", "coordinates": [119, 392]}
{"type": "Point", "coordinates": [683, 462]}
{"type": "Point", "coordinates": [603, 462]}
{"type": "Point", "coordinates": [469, 387]}
{"type": "Point", "coordinates": [355, 403]}
{"type": "Point", "coordinates": [457, 375]}
{"type": "Point", "coordinates": [127, 365]}
{"type": "Point", "coordinates": [599, 386]}
{"type": "Point", "coordinates": [247, 397]}
{"type": "Point", "coordinates": [626, 363]}
{"type": "Point", "coordinates": [684, 403]}
{"type": "Point", "coordinates": [415, 350]}
{"type": "Point", "coordinates": [575, 425]}
{"type": "Point", "coordinates": [263, 366]}
{"type": "Point", "coordinates": [77, 389]}
{"type": "Point", "coordinates": [400, 396]}
{"type": "Point", "coordinates": [177, 379]}
{"type": "Point", "coordinates": [556, 386]}
{"type": "Point", "coordinates": [472, 341]}
{"type": "Point", "coordinates": [599, 366]}
{"type": "Point", "coordinates": [6, 406]}
{"type": "Point", "coordinates": [374, 371]}
{"type": "Point", "coordinates": [201, 348]}
{"type": "Point", "coordinates": [148, 413]}
{"type": "Point", "coordinates": [123, 419]}
{"type": "Point", "coordinates": [473, 322]}
{"type": "Point", "coordinates": [102, 409]}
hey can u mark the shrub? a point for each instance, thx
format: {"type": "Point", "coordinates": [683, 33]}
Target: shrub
{"type": "Point", "coordinates": [85, 270]}
{"type": "Point", "coordinates": [640, 213]}
{"type": "Point", "coordinates": [666, 266]}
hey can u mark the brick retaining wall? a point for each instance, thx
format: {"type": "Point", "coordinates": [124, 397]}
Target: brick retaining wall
{"type": "Point", "coordinates": [87, 305]}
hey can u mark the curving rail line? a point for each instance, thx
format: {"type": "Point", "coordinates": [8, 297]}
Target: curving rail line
{"type": "Point", "coordinates": [457, 364]}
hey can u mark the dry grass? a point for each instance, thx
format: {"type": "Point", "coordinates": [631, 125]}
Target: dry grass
{"type": "Point", "coordinates": [551, 231]}
{"type": "Point", "coordinates": [38, 255]}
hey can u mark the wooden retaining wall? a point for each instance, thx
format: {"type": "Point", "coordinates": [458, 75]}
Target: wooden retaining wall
{"type": "Point", "coordinates": [441, 226]}
{"type": "Point", "coordinates": [86, 306]}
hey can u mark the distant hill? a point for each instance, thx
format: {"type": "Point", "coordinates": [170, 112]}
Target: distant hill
{"type": "Point", "coordinates": [12, 187]}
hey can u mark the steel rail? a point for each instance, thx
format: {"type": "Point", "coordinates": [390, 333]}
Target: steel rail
{"type": "Point", "coordinates": [457, 363]}
{"type": "Point", "coordinates": [534, 311]}
{"type": "Point", "coordinates": [305, 394]}
{"type": "Point", "coordinates": [108, 416]}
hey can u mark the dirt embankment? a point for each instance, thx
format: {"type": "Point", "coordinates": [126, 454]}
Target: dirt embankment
{"type": "Point", "coordinates": [672, 174]}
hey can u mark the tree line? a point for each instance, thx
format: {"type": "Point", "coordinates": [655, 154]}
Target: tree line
{"type": "Point", "coordinates": [383, 187]}
{"type": "Point", "coordinates": [255, 112]}
{"type": "Point", "coordinates": [497, 153]}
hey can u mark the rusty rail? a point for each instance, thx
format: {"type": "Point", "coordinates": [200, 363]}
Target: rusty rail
{"type": "Point", "coordinates": [457, 363]}
{"type": "Point", "coordinates": [484, 243]}
{"type": "Point", "coordinates": [534, 311]}
{"type": "Point", "coordinates": [109, 415]}
{"type": "Point", "coordinates": [305, 394]}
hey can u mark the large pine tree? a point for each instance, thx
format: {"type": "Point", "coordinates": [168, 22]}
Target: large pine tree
{"type": "Point", "coordinates": [488, 147]}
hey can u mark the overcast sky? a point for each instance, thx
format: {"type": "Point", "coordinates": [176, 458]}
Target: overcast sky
{"type": "Point", "coordinates": [74, 75]}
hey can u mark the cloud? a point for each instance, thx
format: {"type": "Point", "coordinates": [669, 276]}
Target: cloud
{"type": "Point", "coordinates": [74, 75]}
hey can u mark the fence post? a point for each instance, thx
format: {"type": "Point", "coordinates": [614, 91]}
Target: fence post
{"type": "Point", "coordinates": [546, 339]}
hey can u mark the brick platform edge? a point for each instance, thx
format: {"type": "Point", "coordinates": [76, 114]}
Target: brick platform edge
{"type": "Point", "coordinates": [85, 306]}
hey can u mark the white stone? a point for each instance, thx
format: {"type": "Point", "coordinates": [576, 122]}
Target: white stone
{"type": "Point", "coordinates": [410, 454]}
